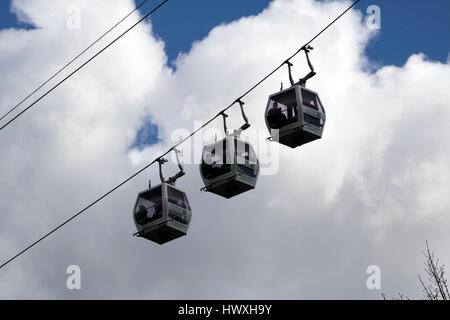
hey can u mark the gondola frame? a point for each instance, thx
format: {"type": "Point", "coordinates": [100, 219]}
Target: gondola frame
{"type": "Point", "coordinates": [291, 134]}
{"type": "Point", "coordinates": [166, 228]}
{"type": "Point", "coordinates": [235, 181]}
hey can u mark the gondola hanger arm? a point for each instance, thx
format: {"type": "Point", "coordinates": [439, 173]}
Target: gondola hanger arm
{"type": "Point", "coordinates": [291, 79]}
{"type": "Point", "coordinates": [312, 73]}
{"type": "Point", "coordinates": [246, 125]}
{"type": "Point", "coordinates": [161, 161]}
{"type": "Point", "coordinates": [225, 116]}
{"type": "Point", "coordinates": [181, 173]}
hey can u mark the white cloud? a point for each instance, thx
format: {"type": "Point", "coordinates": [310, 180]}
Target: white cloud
{"type": "Point", "coordinates": [370, 192]}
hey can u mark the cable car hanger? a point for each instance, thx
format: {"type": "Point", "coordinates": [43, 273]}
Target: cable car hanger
{"type": "Point", "coordinates": [295, 116]}
{"type": "Point", "coordinates": [237, 170]}
{"type": "Point", "coordinates": [245, 126]}
{"type": "Point", "coordinates": [172, 180]}
{"type": "Point", "coordinates": [312, 73]}
{"type": "Point", "coordinates": [162, 213]}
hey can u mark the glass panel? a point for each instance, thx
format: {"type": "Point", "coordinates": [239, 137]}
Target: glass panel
{"type": "Point", "coordinates": [214, 160]}
{"type": "Point", "coordinates": [312, 120]}
{"type": "Point", "coordinates": [310, 99]}
{"type": "Point", "coordinates": [246, 158]}
{"type": "Point", "coordinates": [253, 158]}
{"type": "Point", "coordinates": [178, 198]}
{"type": "Point", "coordinates": [319, 104]}
{"type": "Point", "coordinates": [149, 206]}
{"type": "Point", "coordinates": [244, 152]}
{"type": "Point", "coordinates": [282, 109]}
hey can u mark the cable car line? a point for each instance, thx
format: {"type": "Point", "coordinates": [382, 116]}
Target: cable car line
{"type": "Point", "coordinates": [76, 215]}
{"type": "Point", "coordinates": [72, 61]}
{"type": "Point", "coordinates": [160, 158]}
{"type": "Point", "coordinates": [299, 50]}
{"type": "Point", "coordinates": [82, 66]}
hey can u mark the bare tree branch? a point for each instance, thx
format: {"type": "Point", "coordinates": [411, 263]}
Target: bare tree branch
{"type": "Point", "coordinates": [437, 287]}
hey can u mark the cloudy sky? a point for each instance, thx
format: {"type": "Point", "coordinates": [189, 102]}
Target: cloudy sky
{"type": "Point", "coordinates": [369, 193]}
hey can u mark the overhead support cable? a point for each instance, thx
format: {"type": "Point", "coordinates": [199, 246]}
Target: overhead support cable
{"type": "Point", "coordinates": [80, 67]}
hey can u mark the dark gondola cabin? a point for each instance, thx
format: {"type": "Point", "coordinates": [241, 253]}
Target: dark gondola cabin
{"type": "Point", "coordinates": [162, 214]}
{"type": "Point", "coordinates": [229, 167]}
{"type": "Point", "coordinates": [295, 116]}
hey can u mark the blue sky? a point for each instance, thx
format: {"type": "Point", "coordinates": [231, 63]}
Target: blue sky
{"type": "Point", "coordinates": [408, 26]}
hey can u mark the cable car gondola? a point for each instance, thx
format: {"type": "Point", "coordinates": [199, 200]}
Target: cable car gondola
{"type": "Point", "coordinates": [296, 116]}
{"type": "Point", "coordinates": [162, 213]}
{"type": "Point", "coordinates": [230, 167]}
